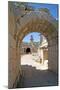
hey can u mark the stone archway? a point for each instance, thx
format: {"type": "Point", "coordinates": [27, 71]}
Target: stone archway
{"type": "Point", "coordinates": [31, 22]}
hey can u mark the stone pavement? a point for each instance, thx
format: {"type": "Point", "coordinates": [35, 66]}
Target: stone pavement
{"type": "Point", "coordinates": [30, 59]}
{"type": "Point", "coordinates": [37, 78]}
{"type": "Point", "coordinates": [33, 77]}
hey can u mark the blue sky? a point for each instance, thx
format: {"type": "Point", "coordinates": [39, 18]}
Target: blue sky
{"type": "Point", "coordinates": [54, 12]}
{"type": "Point", "coordinates": [53, 8]}
{"type": "Point", "coordinates": [35, 35]}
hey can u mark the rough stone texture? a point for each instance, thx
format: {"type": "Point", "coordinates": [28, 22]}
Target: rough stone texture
{"type": "Point", "coordinates": [37, 78]}
{"type": "Point", "coordinates": [14, 63]}
{"type": "Point", "coordinates": [13, 69]}
{"type": "Point", "coordinates": [53, 56]}
{"type": "Point", "coordinates": [14, 54]}
{"type": "Point", "coordinates": [33, 21]}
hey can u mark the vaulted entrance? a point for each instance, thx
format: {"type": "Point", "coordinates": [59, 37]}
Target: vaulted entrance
{"type": "Point", "coordinates": [28, 50]}
{"type": "Point", "coordinates": [32, 22]}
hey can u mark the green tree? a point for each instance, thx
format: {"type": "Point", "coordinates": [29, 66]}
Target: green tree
{"type": "Point", "coordinates": [45, 10]}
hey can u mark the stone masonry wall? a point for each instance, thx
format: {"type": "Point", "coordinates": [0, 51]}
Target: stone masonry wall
{"type": "Point", "coordinates": [53, 55]}
{"type": "Point", "coordinates": [13, 62]}
{"type": "Point", "coordinates": [13, 56]}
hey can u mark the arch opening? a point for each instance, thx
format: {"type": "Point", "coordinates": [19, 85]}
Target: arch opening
{"type": "Point", "coordinates": [28, 50]}
{"type": "Point", "coordinates": [19, 27]}
{"type": "Point", "coordinates": [34, 50]}
{"type": "Point", "coordinates": [37, 61]}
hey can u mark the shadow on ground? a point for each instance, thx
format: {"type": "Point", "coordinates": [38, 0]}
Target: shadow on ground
{"type": "Point", "coordinates": [37, 78]}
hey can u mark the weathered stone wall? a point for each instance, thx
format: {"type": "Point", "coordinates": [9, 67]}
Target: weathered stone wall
{"type": "Point", "coordinates": [14, 51]}
{"type": "Point", "coordinates": [45, 54]}
{"type": "Point", "coordinates": [13, 62]}
{"type": "Point", "coordinates": [53, 55]}
{"type": "Point", "coordinates": [29, 22]}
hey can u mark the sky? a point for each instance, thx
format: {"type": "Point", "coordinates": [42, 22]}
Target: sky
{"type": "Point", "coordinates": [53, 8]}
{"type": "Point", "coordinates": [35, 35]}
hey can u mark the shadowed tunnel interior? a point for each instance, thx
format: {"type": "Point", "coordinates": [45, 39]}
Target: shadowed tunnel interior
{"type": "Point", "coordinates": [28, 50]}
{"type": "Point", "coordinates": [36, 78]}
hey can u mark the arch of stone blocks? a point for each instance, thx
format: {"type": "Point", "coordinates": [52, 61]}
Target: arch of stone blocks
{"type": "Point", "coordinates": [49, 31]}
{"type": "Point", "coordinates": [31, 22]}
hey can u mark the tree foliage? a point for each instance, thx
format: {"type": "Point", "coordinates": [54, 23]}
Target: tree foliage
{"type": "Point", "coordinates": [24, 5]}
{"type": "Point", "coordinates": [45, 10]}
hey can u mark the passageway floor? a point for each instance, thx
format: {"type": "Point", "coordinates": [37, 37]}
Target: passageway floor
{"type": "Point", "coordinates": [32, 77]}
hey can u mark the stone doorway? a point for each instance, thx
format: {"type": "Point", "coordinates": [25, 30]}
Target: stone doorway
{"type": "Point", "coordinates": [28, 50]}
